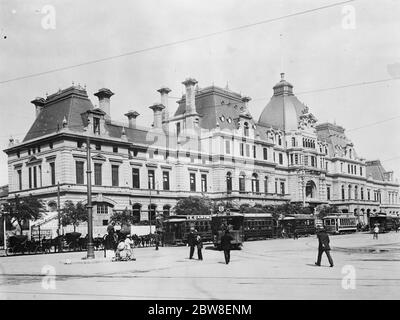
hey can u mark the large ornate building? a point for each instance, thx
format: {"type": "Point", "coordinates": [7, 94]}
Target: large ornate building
{"type": "Point", "coordinates": [210, 145]}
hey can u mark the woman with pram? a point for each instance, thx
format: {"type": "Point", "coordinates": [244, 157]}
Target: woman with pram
{"type": "Point", "coordinates": [124, 251]}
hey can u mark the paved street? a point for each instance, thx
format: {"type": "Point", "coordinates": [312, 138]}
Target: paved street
{"type": "Point", "coordinates": [271, 269]}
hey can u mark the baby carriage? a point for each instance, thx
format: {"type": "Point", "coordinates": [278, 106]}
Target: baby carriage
{"type": "Point", "coordinates": [124, 251]}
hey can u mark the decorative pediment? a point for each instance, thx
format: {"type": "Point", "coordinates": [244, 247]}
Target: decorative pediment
{"type": "Point", "coordinates": [99, 157]}
{"type": "Point", "coordinates": [33, 160]}
{"type": "Point", "coordinates": [307, 120]}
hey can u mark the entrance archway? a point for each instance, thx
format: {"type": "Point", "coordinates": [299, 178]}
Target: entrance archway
{"type": "Point", "coordinates": [311, 189]}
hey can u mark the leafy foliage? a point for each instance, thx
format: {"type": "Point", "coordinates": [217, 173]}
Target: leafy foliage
{"type": "Point", "coordinates": [25, 209]}
{"type": "Point", "coordinates": [194, 206]}
{"type": "Point", "coordinates": [73, 214]}
{"type": "Point", "coordinates": [325, 210]}
{"type": "Point", "coordinates": [124, 217]}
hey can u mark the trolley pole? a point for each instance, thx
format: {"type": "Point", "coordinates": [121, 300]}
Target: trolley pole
{"type": "Point", "coordinates": [90, 246]}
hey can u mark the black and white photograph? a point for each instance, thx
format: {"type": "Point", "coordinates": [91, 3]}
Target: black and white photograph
{"type": "Point", "coordinates": [175, 150]}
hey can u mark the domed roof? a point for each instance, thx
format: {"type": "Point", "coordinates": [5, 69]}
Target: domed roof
{"type": "Point", "coordinates": [284, 109]}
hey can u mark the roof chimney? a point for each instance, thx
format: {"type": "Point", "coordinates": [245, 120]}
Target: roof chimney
{"type": "Point", "coordinates": [132, 115]}
{"type": "Point", "coordinates": [104, 96]}
{"type": "Point", "coordinates": [157, 110]}
{"type": "Point", "coordinates": [164, 101]}
{"type": "Point", "coordinates": [190, 95]}
{"type": "Point", "coordinates": [39, 105]}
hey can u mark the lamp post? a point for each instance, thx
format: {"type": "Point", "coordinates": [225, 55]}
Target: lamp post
{"type": "Point", "coordinates": [90, 246]}
{"type": "Point", "coordinates": [3, 214]}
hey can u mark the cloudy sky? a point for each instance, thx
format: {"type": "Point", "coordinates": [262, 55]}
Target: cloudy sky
{"type": "Point", "coordinates": [320, 49]}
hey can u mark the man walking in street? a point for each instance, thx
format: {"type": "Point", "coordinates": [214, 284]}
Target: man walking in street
{"type": "Point", "coordinates": [226, 245]}
{"type": "Point", "coordinates": [376, 232]}
{"type": "Point", "coordinates": [191, 242]}
{"type": "Point", "coordinates": [323, 246]}
{"type": "Point", "coordinates": [199, 243]}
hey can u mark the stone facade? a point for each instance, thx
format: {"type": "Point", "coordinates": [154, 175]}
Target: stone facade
{"type": "Point", "coordinates": [210, 146]}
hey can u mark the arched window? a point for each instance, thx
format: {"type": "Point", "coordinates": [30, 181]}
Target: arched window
{"type": "Point", "coordinates": [349, 192]}
{"type": "Point", "coordinates": [356, 192]}
{"type": "Point", "coordinates": [266, 185]}
{"type": "Point", "coordinates": [293, 142]}
{"type": "Point", "coordinates": [229, 182]}
{"type": "Point", "coordinates": [255, 186]}
{"type": "Point", "coordinates": [52, 206]}
{"type": "Point", "coordinates": [246, 129]}
{"type": "Point", "coordinates": [311, 189]}
{"type": "Point", "coordinates": [136, 209]}
{"type": "Point", "coordinates": [166, 210]}
{"type": "Point", "coordinates": [362, 193]}
{"type": "Point", "coordinates": [242, 182]}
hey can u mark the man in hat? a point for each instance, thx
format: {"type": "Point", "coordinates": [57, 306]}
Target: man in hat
{"type": "Point", "coordinates": [226, 245]}
{"type": "Point", "coordinates": [323, 246]}
{"type": "Point", "coordinates": [191, 242]}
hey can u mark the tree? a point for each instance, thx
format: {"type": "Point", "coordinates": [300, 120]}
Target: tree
{"type": "Point", "coordinates": [21, 210]}
{"type": "Point", "coordinates": [194, 205]}
{"type": "Point", "coordinates": [324, 210]}
{"type": "Point", "coordinates": [124, 218]}
{"type": "Point", "coordinates": [246, 208]}
{"type": "Point", "coordinates": [73, 214]}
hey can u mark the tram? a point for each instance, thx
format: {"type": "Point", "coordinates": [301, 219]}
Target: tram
{"type": "Point", "coordinates": [258, 226]}
{"type": "Point", "coordinates": [339, 223]}
{"type": "Point", "coordinates": [228, 221]}
{"type": "Point", "coordinates": [176, 228]}
{"type": "Point", "coordinates": [302, 224]}
{"type": "Point", "coordinates": [385, 223]}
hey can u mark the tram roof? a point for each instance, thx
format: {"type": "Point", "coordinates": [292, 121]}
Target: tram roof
{"type": "Point", "coordinates": [175, 220]}
{"type": "Point", "coordinates": [257, 215]}
{"type": "Point", "coordinates": [334, 216]}
{"type": "Point", "coordinates": [232, 214]}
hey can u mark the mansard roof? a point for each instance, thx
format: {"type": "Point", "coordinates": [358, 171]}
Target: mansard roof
{"type": "Point", "coordinates": [69, 103]}
{"type": "Point", "coordinates": [376, 170]}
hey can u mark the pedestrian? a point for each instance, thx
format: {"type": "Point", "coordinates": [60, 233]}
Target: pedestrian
{"type": "Point", "coordinates": [157, 239]}
{"type": "Point", "coordinates": [295, 236]}
{"type": "Point", "coordinates": [323, 246]}
{"type": "Point", "coordinates": [191, 242]}
{"type": "Point", "coordinates": [226, 245]}
{"type": "Point", "coordinates": [376, 231]}
{"type": "Point", "coordinates": [199, 244]}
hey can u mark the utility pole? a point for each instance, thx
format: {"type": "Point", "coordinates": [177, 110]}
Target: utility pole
{"type": "Point", "coordinates": [90, 247]}
{"type": "Point", "coordinates": [59, 218]}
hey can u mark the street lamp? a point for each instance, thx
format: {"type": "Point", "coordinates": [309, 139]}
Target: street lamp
{"type": "Point", "coordinates": [3, 214]}
{"type": "Point", "coordinates": [90, 246]}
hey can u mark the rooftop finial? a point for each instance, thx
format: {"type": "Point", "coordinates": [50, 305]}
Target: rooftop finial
{"type": "Point", "coordinates": [282, 76]}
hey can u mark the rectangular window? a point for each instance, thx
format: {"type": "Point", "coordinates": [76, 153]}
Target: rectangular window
{"type": "Point", "coordinates": [79, 144]}
{"type": "Point", "coordinates": [280, 158]}
{"type": "Point", "coordinates": [102, 208]}
{"type": "Point", "coordinates": [19, 173]}
{"type": "Point", "coordinates": [242, 149]}
{"type": "Point", "coordinates": [53, 173]}
{"type": "Point", "coordinates": [296, 159]}
{"type": "Point", "coordinates": [35, 177]}
{"type": "Point", "coordinates": [79, 172]}
{"type": "Point", "coordinates": [276, 186]}
{"type": "Point", "coordinates": [38, 149]}
{"type": "Point", "coordinates": [115, 149]}
{"type": "Point", "coordinates": [192, 182]}
{"type": "Point", "coordinates": [178, 129]}
{"type": "Point", "coordinates": [242, 184]}
{"type": "Point", "coordinates": [97, 174]}
{"type": "Point", "coordinates": [328, 193]}
{"type": "Point", "coordinates": [96, 125]}
{"type": "Point", "coordinates": [306, 160]}
{"type": "Point", "coordinates": [203, 183]}
{"type": "Point", "coordinates": [115, 175]}
{"type": "Point", "coordinates": [151, 179]}
{"type": "Point", "coordinates": [51, 145]}
{"type": "Point", "coordinates": [227, 147]}
{"type": "Point", "coordinates": [30, 178]}
{"type": "Point", "coordinates": [247, 150]}
{"type": "Point", "coordinates": [361, 171]}
{"type": "Point", "coordinates": [98, 146]}
{"type": "Point", "coordinates": [282, 188]}
{"type": "Point", "coordinates": [254, 152]}
{"type": "Point", "coordinates": [266, 185]}
{"type": "Point", "coordinates": [135, 178]}
{"type": "Point", "coordinates": [265, 153]}
{"type": "Point", "coordinates": [165, 180]}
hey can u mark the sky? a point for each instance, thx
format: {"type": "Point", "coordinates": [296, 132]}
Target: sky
{"type": "Point", "coordinates": [357, 42]}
